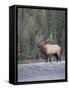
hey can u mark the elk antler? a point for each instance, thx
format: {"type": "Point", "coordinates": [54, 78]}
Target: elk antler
{"type": "Point", "coordinates": [38, 39]}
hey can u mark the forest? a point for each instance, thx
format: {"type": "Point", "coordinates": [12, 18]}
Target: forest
{"type": "Point", "coordinates": [49, 24]}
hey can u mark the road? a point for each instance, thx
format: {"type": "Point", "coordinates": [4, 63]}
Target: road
{"type": "Point", "coordinates": [41, 71]}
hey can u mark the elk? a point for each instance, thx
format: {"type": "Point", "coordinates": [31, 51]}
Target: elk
{"type": "Point", "coordinates": [48, 49]}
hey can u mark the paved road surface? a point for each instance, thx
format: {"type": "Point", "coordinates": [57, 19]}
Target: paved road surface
{"type": "Point", "coordinates": [41, 71]}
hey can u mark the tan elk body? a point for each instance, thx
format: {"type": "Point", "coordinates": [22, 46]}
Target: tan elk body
{"type": "Point", "coordinates": [52, 49]}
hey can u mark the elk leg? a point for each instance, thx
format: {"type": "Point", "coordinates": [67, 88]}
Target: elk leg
{"type": "Point", "coordinates": [46, 58]}
{"type": "Point", "coordinates": [49, 58]}
{"type": "Point", "coordinates": [59, 58]}
{"type": "Point", "coordinates": [56, 57]}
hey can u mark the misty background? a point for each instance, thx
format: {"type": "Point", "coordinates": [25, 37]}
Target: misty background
{"type": "Point", "coordinates": [50, 24]}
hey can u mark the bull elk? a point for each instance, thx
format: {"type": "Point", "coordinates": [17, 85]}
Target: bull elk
{"type": "Point", "coordinates": [48, 49]}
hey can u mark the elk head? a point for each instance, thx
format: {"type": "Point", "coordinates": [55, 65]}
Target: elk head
{"type": "Point", "coordinates": [39, 41]}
